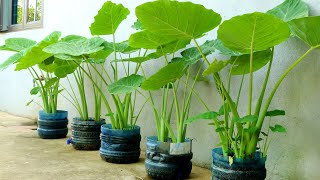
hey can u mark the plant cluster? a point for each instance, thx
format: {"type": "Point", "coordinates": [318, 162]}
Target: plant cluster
{"type": "Point", "coordinates": [164, 29]}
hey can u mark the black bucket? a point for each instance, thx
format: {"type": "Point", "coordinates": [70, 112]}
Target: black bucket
{"type": "Point", "coordinates": [53, 125]}
{"type": "Point", "coordinates": [120, 146]}
{"type": "Point", "coordinates": [86, 134]}
{"type": "Point", "coordinates": [160, 164]}
{"type": "Point", "coordinates": [246, 169]}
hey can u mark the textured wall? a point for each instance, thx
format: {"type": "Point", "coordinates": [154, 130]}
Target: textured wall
{"type": "Point", "coordinates": [291, 156]}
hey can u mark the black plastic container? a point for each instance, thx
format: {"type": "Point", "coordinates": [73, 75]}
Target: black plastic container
{"type": "Point", "coordinates": [53, 125]}
{"type": "Point", "coordinates": [248, 169]}
{"type": "Point", "coordinates": [120, 146]}
{"type": "Point", "coordinates": [160, 164]}
{"type": "Point", "coordinates": [86, 134]}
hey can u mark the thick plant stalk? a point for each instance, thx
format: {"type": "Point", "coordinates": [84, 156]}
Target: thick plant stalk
{"type": "Point", "coordinates": [254, 139]}
{"type": "Point", "coordinates": [258, 105]}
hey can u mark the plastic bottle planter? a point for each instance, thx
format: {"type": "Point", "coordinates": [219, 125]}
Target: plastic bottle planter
{"type": "Point", "coordinates": [165, 160]}
{"type": "Point", "coordinates": [120, 146]}
{"type": "Point", "coordinates": [86, 134]}
{"type": "Point", "coordinates": [53, 125]}
{"type": "Point", "coordinates": [249, 169]}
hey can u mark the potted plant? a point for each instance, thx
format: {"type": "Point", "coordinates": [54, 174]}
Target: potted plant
{"type": "Point", "coordinates": [244, 141]}
{"type": "Point", "coordinates": [169, 154]}
{"type": "Point", "coordinates": [120, 140]}
{"type": "Point", "coordinates": [52, 123]}
{"type": "Point", "coordinates": [75, 53]}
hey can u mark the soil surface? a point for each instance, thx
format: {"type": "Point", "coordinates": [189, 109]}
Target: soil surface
{"type": "Point", "coordinates": [24, 156]}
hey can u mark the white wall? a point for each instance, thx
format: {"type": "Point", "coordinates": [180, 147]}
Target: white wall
{"type": "Point", "coordinates": [291, 156]}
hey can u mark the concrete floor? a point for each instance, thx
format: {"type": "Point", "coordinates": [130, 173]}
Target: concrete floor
{"type": "Point", "coordinates": [23, 155]}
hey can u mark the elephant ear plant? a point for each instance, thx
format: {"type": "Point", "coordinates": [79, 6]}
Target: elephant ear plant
{"type": "Point", "coordinates": [76, 54]}
{"type": "Point", "coordinates": [166, 36]}
{"type": "Point", "coordinates": [120, 101]}
{"type": "Point", "coordinates": [52, 123]}
{"type": "Point", "coordinates": [250, 40]}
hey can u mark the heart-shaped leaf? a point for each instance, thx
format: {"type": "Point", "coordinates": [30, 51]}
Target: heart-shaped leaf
{"type": "Point", "coordinates": [76, 47]}
{"type": "Point", "coordinates": [165, 75]}
{"type": "Point", "coordinates": [126, 84]}
{"type": "Point", "coordinates": [241, 64]}
{"type": "Point", "coordinates": [177, 20]}
{"type": "Point", "coordinates": [290, 9]}
{"type": "Point", "coordinates": [108, 18]}
{"type": "Point", "coordinates": [307, 29]}
{"type": "Point", "coordinates": [35, 90]}
{"type": "Point", "coordinates": [253, 32]}
{"type": "Point", "coordinates": [35, 54]}
{"type": "Point", "coordinates": [18, 44]}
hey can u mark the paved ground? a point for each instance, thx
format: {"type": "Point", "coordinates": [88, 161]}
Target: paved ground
{"type": "Point", "coordinates": [25, 156]}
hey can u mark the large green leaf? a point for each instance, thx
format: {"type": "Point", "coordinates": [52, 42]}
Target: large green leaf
{"type": "Point", "coordinates": [126, 84]}
{"type": "Point", "coordinates": [76, 47]}
{"type": "Point", "coordinates": [35, 54]}
{"type": "Point", "coordinates": [11, 60]}
{"type": "Point", "coordinates": [192, 55]}
{"type": "Point", "coordinates": [307, 29]}
{"type": "Point", "coordinates": [18, 44]}
{"type": "Point", "coordinates": [290, 9]}
{"type": "Point", "coordinates": [207, 115]}
{"type": "Point", "coordinates": [165, 75]}
{"type": "Point", "coordinates": [147, 40]}
{"type": "Point", "coordinates": [108, 18]}
{"type": "Point", "coordinates": [177, 20]}
{"type": "Point", "coordinates": [241, 64]}
{"type": "Point", "coordinates": [253, 32]}
{"type": "Point", "coordinates": [215, 67]}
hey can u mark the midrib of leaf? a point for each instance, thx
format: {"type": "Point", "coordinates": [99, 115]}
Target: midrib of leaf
{"type": "Point", "coordinates": [251, 62]}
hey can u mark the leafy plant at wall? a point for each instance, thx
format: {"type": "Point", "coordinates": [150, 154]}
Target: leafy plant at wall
{"type": "Point", "coordinates": [106, 22]}
{"type": "Point", "coordinates": [167, 36]}
{"type": "Point", "coordinates": [76, 53]}
{"type": "Point", "coordinates": [40, 65]}
{"type": "Point", "coordinates": [252, 47]}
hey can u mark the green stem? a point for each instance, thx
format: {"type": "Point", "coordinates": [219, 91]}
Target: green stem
{"type": "Point", "coordinates": [259, 103]}
{"type": "Point", "coordinates": [254, 139]}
